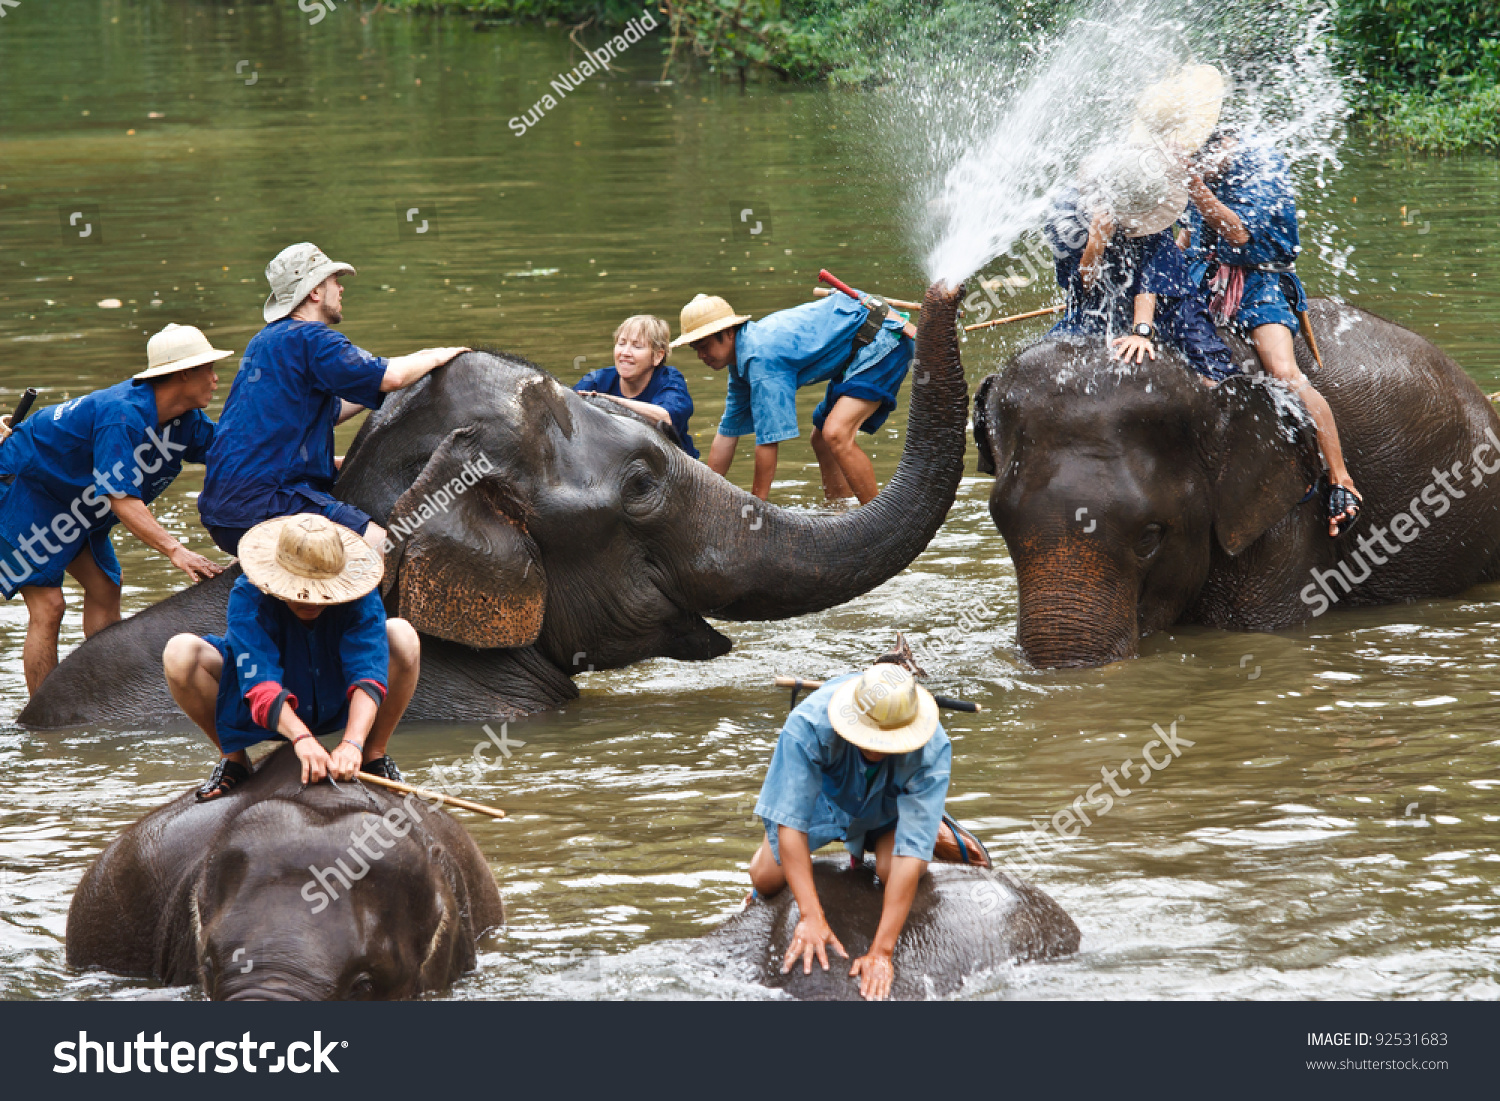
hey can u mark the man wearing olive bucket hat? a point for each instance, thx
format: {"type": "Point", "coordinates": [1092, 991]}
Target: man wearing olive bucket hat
{"type": "Point", "coordinates": [864, 359]}
{"type": "Point", "coordinates": [70, 472]}
{"type": "Point", "coordinates": [299, 379]}
{"type": "Point", "coordinates": [307, 651]}
{"type": "Point", "coordinates": [865, 761]}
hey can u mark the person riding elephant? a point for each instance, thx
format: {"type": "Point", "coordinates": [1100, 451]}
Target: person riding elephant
{"type": "Point", "coordinates": [73, 471]}
{"type": "Point", "coordinates": [308, 651]}
{"type": "Point", "coordinates": [641, 379]}
{"type": "Point", "coordinates": [863, 760]}
{"type": "Point", "coordinates": [273, 454]}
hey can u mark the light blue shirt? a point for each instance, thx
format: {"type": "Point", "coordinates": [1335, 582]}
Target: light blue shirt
{"type": "Point", "coordinates": [776, 356]}
{"type": "Point", "coordinates": [820, 785]}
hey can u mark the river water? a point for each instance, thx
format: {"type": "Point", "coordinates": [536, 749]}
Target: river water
{"type": "Point", "coordinates": [1329, 833]}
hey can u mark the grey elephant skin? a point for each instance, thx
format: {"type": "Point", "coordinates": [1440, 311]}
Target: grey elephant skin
{"type": "Point", "coordinates": [1132, 498]}
{"type": "Point", "coordinates": [589, 541]}
{"type": "Point", "coordinates": [962, 922]}
{"type": "Point", "coordinates": [222, 894]}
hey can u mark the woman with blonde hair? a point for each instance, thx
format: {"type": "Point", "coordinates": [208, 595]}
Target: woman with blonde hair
{"type": "Point", "coordinates": [640, 379]}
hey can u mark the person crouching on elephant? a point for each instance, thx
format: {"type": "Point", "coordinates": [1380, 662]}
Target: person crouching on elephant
{"type": "Point", "coordinates": [865, 761]}
{"type": "Point", "coordinates": [308, 651]}
{"type": "Point", "coordinates": [864, 359]}
{"type": "Point", "coordinates": [1123, 277]}
{"type": "Point", "coordinates": [72, 471]}
{"type": "Point", "coordinates": [1242, 243]}
{"type": "Point", "coordinates": [642, 381]}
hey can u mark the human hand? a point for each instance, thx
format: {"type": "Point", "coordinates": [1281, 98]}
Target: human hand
{"type": "Point", "coordinates": [344, 761]}
{"type": "Point", "coordinates": [811, 938]}
{"type": "Point", "coordinates": [194, 565]}
{"type": "Point", "coordinates": [1138, 346]}
{"type": "Point", "coordinates": [314, 758]}
{"type": "Point", "coordinates": [4, 427]}
{"type": "Point", "coordinates": [876, 973]}
{"type": "Point", "coordinates": [443, 355]}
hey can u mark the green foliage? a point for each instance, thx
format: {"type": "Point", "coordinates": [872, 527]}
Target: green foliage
{"type": "Point", "coordinates": [1422, 43]}
{"type": "Point", "coordinates": [614, 13]}
{"type": "Point", "coordinates": [1439, 121]}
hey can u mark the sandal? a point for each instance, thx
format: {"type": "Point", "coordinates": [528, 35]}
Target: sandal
{"type": "Point", "coordinates": [1343, 502]}
{"type": "Point", "coordinates": [383, 767]}
{"type": "Point", "coordinates": [227, 776]}
{"type": "Point", "coordinates": [965, 848]}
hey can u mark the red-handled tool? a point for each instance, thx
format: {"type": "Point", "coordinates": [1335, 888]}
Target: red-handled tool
{"type": "Point", "coordinates": [867, 301]}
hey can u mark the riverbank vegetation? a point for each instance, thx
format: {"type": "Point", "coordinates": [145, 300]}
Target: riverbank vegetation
{"type": "Point", "coordinates": [1426, 73]}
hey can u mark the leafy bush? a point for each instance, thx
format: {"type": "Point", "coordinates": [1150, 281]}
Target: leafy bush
{"type": "Point", "coordinates": [1422, 43]}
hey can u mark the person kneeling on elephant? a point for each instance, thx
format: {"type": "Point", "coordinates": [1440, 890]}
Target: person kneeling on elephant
{"type": "Point", "coordinates": [308, 651]}
{"type": "Point", "coordinates": [865, 761]}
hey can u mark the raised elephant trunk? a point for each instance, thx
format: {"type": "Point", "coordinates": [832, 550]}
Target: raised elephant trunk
{"type": "Point", "coordinates": [1076, 607]}
{"type": "Point", "coordinates": [777, 563]}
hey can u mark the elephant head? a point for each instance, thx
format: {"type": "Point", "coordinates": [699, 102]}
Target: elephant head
{"type": "Point", "coordinates": [1117, 487]}
{"type": "Point", "coordinates": [522, 514]}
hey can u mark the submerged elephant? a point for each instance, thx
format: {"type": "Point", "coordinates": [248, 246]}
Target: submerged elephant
{"type": "Point", "coordinates": [1133, 498]}
{"type": "Point", "coordinates": [536, 532]}
{"type": "Point", "coordinates": [963, 921]}
{"type": "Point", "coordinates": [288, 893]}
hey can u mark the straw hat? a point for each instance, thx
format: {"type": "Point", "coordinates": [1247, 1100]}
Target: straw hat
{"type": "Point", "coordinates": [1142, 188]}
{"type": "Point", "coordinates": [309, 559]}
{"type": "Point", "coordinates": [176, 348]}
{"type": "Point", "coordinates": [705, 315]}
{"type": "Point", "coordinates": [884, 711]}
{"type": "Point", "coordinates": [293, 273]}
{"type": "Point", "coordinates": [1181, 110]}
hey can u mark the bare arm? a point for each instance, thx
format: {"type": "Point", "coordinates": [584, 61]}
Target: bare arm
{"type": "Point", "coordinates": [1102, 229]}
{"type": "Point", "coordinates": [402, 371]}
{"type": "Point", "coordinates": [765, 470]}
{"type": "Point", "coordinates": [314, 758]}
{"type": "Point", "coordinates": [812, 935]}
{"type": "Point", "coordinates": [1132, 348]}
{"type": "Point", "coordinates": [875, 968]}
{"type": "Point", "coordinates": [349, 409]}
{"type": "Point", "coordinates": [346, 759]}
{"type": "Point", "coordinates": [138, 520]}
{"type": "Point", "coordinates": [721, 454]}
{"type": "Point", "coordinates": [1225, 221]}
{"type": "Point", "coordinates": [644, 408]}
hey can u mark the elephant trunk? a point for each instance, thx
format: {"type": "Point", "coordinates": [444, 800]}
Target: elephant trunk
{"type": "Point", "coordinates": [773, 563]}
{"type": "Point", "coordinates": [1077, 607]}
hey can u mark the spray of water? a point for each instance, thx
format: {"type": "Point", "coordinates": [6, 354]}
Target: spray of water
{"type": "Point", "coordinates": [998, 131]}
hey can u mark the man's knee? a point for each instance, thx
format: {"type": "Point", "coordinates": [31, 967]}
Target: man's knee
{"type": "Point", "coordinates": [405, 644]}
{"type": "Point", "coordinates": [184, 656]}
{"type": "Point", "coordinates": [374, 535]}
{"type": "Point", "coordinates": [46, 607]}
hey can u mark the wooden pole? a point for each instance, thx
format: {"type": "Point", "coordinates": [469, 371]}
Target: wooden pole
{"type": "Point", "coordinates": [1008, 320]}
{"type": "Point", "coordinates": [813, 685]}
{"type": "Point", "coordinates": [451, 800]}
{"type": "Point", "coordinates": [899, 303]}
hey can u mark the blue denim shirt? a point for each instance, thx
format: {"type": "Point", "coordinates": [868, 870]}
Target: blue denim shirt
{"type": "Point", "coordinates": [790, 349]}
{"type": "Point", "coordinates": [276, 431]}
{"type": "Point", "coordinates": [666, 388]}
{"type": "Point", "coordinates": [1257, 186]}
{"type": "Point", "coordinates": [817, 783]}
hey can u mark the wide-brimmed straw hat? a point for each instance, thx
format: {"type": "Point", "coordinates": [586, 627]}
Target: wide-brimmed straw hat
{"type": "Point", "coordinates": [293, 273]}
{"type": "Point", "coordinates": [884, 711]}
{"type": "Point", "coordinates": [177, 348]}
{"type": "Point", "coordinates": [309, 559]}
{"type": "Point", "coordinates": [705, 315]}
{"type": "Point", "coordinates": [1180, 111]}
{"type": "Point", "coordinates": [1143, 188]}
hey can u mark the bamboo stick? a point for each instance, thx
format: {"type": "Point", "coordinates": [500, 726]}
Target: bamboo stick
{"type": "Point", "coordinates": [942, 701]}
{"type": "Point", "coordinates": [1008, 320]}
{"type": "Point", "coordinates": [899, 303]}
{"type": "Point", "coordinates": [451, 800]}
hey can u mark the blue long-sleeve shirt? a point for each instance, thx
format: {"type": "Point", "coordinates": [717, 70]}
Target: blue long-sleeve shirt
{"type": "Point", "coordinates": [666, 388]}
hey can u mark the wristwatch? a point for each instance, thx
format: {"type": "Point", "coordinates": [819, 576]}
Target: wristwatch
{"type": "Point", "coordinates": [1145, 329]}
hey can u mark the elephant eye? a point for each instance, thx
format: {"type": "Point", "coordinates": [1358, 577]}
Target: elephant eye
{"type": "Point", "coordinates": [362, 988]}
{"type": "Point", "coordinates": [641, 488]}
{"type": "Point", "coordinates": [1149, 541]}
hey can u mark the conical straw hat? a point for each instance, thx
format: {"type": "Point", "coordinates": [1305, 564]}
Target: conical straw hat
{"type": "Point", "coordinates": [309, 559]}
{"type": "Point", "coordinates": [1142, 189]}
{"type": "Point", "coordinates": [884, 711]}
{"type": "Point", "coordinates": [1180, 111]}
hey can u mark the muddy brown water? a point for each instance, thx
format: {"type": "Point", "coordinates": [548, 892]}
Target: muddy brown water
{"type": "Point", "coordinates": [1331, 830]}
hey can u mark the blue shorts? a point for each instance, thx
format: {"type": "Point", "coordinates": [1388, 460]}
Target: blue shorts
{"type": "Point", "coordinates": [879, 382]}
{"type": "Point", "coordinates": [1268, 300]}
{"type": "Point", "coordinates": [830, 824]}
{"type": "Point", "coordinates": [321, 504]}
{"type": "Point", "coordinates": [1185, 324]}
{"type": "Point", "coordinates": [232, 739]}
{"type": "Point", "coordinates": [19, 570]}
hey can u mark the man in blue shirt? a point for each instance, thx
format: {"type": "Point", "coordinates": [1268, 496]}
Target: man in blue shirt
{"type": "Point", "coordinates": [273, 455]}
{"type": "Point", "coordinates": [642, 381]}
{"type": "Point", "coordinates": [70, 472]}
{"type": "Point", "coordinates": [865, 761]}
{"type": "Point", "coordinates": [863, 358]}
{"type": "Point", "coordinates": [307, 651]}
{"type": "Point", "coordinates": [1242, 243]}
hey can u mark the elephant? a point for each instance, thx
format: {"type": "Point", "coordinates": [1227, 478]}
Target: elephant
{"type": "Point", "coordinates": [286, 893]}
{"type": "Point", "coordinates": [535, 532]}
{"type": "Point", "coordinates": [1132, 498]}
{"type": "Point", "coordinates": [963, 921]}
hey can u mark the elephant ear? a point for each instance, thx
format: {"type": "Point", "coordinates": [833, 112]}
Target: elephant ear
{"type": "Point", "coordinates": [459, 562]}
{"type": "Point", "coordinates": [1267, 458]}
{"type": "Point", "coordinates": [983, 429]}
